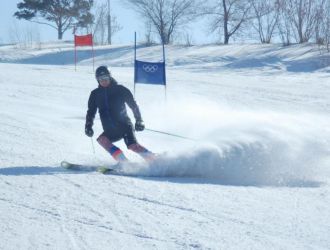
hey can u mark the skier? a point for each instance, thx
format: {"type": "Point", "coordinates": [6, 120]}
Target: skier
{"type": "Point", "coordinates": [110, 98]}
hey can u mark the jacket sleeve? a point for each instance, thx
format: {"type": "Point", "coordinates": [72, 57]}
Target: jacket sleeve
{"type": "Point", "coordinates": [129, 99]}
{"type": "Point", "coordinates": [91, 111]}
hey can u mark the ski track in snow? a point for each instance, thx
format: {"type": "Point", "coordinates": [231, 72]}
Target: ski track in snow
{"type": "Point", "coordinates": [254, 175]}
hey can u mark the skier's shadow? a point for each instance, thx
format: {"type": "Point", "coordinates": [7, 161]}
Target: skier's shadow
{"type": "Point", "coordinates": [53, 170]}
{"type": "Point", "coordinates": [294, 183]}
{"type": "Point", "coordinates": [34, 170]}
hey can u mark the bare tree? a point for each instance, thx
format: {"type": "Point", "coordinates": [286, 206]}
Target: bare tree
{"type": "Point", "coordinates": [284, 24]}
{"type": "Point", "coordinates": [227, 15]}
{"type": "Point", "coordinates": [148, 34]}
{"type": "Point", "coordinates": [188, 39]}
{"type": "Point", "coordinates": [100, 26]}
{"type": "Point", "coordinates": [323, 25]}
{"type": "Point", "coordinates": [266, 17]}
{"type": "Point", "coordinates": [327, 26]}
{"type": "Point", "coordinates": [166, 16]}
{"type": "Point", "coordinates": [24, 36]}
{"type": "Point", "coordinates": [302, 15]}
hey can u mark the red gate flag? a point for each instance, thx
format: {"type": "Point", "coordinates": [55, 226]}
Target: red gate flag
{"type": "Point", "coordinates": [86, 40]}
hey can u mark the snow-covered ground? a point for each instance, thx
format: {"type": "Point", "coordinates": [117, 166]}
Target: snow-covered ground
{"type": "Point", "coordinates": [255, 176]}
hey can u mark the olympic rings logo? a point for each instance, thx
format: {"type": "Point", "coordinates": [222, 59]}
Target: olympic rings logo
{"type": "Point", "coordinates": [150, 68]}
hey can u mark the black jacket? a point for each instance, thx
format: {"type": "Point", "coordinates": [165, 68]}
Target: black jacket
{"type": "Point", "coordinates": [110, 102]}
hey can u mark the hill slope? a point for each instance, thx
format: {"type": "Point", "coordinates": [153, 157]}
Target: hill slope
{"type": "Point", "coordinates": [255, 176]}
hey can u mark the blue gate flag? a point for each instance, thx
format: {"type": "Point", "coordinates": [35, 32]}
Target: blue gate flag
{"type": "Point", "coordinates": [150, 72]}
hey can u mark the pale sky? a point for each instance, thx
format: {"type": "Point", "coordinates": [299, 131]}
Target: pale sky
{"type": "Point", "coordinates": [128, 19]}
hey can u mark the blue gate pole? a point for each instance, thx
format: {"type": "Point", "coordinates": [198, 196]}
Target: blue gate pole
{"type": "Point", "coordinates": [164, 70]}
{"type": "Point", "coordinates": [134, 61]}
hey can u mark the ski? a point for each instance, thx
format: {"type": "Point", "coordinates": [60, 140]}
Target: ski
{"type": "Point", "coordinates": [80, 167]}
{"type": "Point", "coordinates": [105, 170]}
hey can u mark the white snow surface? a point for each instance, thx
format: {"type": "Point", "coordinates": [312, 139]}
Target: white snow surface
{"type": "Point", "coordinates": [255, 174]}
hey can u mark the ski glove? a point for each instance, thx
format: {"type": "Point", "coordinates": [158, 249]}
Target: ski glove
{"type": "Point", "coordinates": [139, 125]}
{"type": "Point", "coordinates": [89, 131]}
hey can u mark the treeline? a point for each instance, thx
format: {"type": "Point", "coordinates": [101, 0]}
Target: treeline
{"type": "Point", "coordinates": [286, 21]}
{"type": "Point", "coordinates": [289, 21]}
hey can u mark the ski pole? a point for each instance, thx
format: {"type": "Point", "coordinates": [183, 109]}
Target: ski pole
{"type": "Point", "coordinates": [170, 134]}
{"type": "Point", "coordinates": [93, 146]}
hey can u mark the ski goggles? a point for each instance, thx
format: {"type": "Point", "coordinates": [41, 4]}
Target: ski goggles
{"type": "Point", "coordinates": [103, 78]}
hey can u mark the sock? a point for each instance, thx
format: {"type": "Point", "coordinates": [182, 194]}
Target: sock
{"type": "Point", "coordinates": [115, 152]}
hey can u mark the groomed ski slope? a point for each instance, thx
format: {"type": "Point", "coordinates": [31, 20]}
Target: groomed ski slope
{"type": "Point", "coordinates": [256, 175]}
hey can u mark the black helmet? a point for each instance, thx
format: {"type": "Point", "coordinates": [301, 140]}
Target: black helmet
{"type": "Point", "coordinates": [102, 71]}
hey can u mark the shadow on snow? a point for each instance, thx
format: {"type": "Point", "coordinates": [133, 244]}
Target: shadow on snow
{"type": "Point", "coordinates": [35, 170]}
{"type": "Point", "coordinates": [67, 57]}
{"type": "Point", "coordinates": [38, 170]}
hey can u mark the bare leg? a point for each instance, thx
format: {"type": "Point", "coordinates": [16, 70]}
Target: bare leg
{"type": "Point", "coordinates": [115, 152]}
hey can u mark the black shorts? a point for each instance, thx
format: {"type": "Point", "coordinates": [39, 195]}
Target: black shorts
{"type": "Point", "coordinates": [125, 132]}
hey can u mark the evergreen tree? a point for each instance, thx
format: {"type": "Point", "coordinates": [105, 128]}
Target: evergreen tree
{"type": "Point", "coordinates": [58, 14]}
